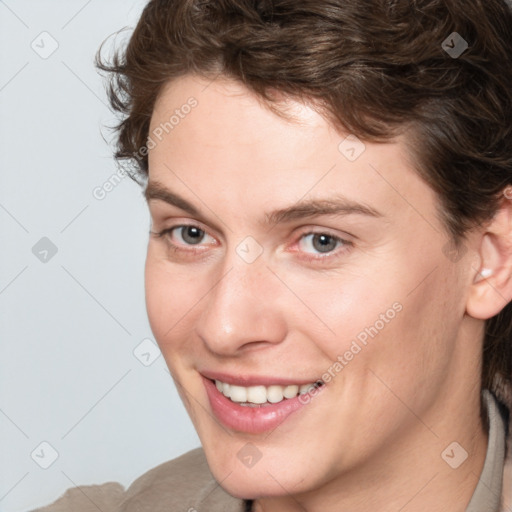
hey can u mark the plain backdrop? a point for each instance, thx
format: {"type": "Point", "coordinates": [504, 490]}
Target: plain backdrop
{"type": "Point", "coordinates": [85, 396]}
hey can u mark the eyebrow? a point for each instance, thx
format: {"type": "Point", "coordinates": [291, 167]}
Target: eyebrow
{"type": "Point", "coordinates": [335, 205]}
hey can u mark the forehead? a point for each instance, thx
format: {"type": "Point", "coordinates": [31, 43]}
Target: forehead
{"type": "Point", "coordinates": [225, 106]}
{"type": "Point", "coordinates": [230, 142]}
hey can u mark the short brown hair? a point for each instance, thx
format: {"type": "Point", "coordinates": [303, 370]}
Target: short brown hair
{"type": "Point", "coordinates": [374, 68]}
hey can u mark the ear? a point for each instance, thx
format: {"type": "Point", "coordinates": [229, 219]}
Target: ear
{"type": "Point", "coordinates": [491, 289]}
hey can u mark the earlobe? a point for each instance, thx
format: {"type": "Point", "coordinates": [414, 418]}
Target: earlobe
{"type": "Point", "coordinates": [491, 289]}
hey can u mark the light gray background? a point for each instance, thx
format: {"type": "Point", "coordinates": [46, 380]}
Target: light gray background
{"type": "Point", "coordinates": [69, 325]}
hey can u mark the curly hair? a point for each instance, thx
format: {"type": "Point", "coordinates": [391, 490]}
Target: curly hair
{"type": "Point", "coordinates": [440, 70]}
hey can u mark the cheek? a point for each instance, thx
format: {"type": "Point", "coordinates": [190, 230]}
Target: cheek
{"type": "Point", "coordinates": [171, 296]}
{"type": "Point", "coordinates": [337, 309]}
{"type": "Point", "coordinates": [413, 354]}
{"type": "Point", "coordinates": [158, 297]}
{"type": "Point", "coordinates": [384, 320]}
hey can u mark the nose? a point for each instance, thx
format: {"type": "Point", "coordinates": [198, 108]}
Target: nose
{"type": "Point", "coordinates": [243, 309]}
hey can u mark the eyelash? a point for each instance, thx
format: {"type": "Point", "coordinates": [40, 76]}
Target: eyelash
{"type": "Point", "coordinates": [330, 255]}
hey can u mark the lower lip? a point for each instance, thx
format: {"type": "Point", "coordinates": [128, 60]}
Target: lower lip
{"type": "Point", "coordinates": [254, 420]}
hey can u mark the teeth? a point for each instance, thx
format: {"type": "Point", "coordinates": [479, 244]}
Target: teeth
{"type": "Point", "coordinates": [290, 391]}
{"type": "Point", "coordinates": [305, 388]}
{"type": "Point", "coordinates": [256, 395]}
{"type": "Point", "coordinates": [275, 394]}
{"type": "Point", "coordinates": [237, 393]}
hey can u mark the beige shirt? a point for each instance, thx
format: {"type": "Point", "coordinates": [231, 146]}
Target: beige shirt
{"type": "Point", "coordinates": [185, 484]}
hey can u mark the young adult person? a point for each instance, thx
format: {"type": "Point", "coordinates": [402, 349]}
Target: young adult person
{"type": "Point", "coordinates": [329, 267]}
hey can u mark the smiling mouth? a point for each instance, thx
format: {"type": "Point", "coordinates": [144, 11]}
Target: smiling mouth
{"type": "Point", "coordinates": [258, 408]}
{"type": "Point", "coordinates": [260, 396]}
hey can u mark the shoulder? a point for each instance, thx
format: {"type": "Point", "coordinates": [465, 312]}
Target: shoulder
{"type": "Point", "coordinates": [88, 498]}
{"type": "Point", "coordinates": [184, 483]}
{"type": "Point", "coordinates": [503, 392]}
{"type": "Point", "coordinates": [507, 470]}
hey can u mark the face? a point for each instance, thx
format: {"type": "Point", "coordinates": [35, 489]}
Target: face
{"type": "Point", "coordinates": [288, 254]}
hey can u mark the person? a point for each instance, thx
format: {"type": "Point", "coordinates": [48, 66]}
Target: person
{"type": "Point", "coordinates": [329, 267]}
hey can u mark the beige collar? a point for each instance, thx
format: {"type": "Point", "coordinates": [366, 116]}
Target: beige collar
{"type": "Point", "coordinates": [487, 495]}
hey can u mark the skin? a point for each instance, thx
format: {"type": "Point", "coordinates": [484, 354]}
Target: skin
{"type": "Point", "coordinates": [373, 438]}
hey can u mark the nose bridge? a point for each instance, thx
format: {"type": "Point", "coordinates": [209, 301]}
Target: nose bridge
{"type": "Point", "coordinates": [239, 308]}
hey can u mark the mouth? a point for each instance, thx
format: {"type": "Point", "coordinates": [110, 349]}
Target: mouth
{"type": "Point", "coordinates": [258, 408]}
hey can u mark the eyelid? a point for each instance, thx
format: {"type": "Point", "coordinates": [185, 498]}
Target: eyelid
{"type": "Point", "coordinates": [325, 231]}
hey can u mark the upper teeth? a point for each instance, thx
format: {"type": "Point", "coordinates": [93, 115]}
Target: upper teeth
{"type": "Point", "coordinates": [261, 394]}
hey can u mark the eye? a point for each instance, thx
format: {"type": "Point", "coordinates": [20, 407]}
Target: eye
{"type": "Point", "coordinates": [186, 235]}
{"type": "Point", "coordinates": [190, 234]}
{"type": "Point", "coordinates": [322, 243]}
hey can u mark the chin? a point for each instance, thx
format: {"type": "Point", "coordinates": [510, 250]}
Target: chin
{"type": "Point", "coordinates": [263, 479]}
{"type": "Point", "coordinates": [253, 486]}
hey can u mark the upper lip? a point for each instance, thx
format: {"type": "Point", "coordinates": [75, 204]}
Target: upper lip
{"type": "Point", "coordinates": [247, 380]}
